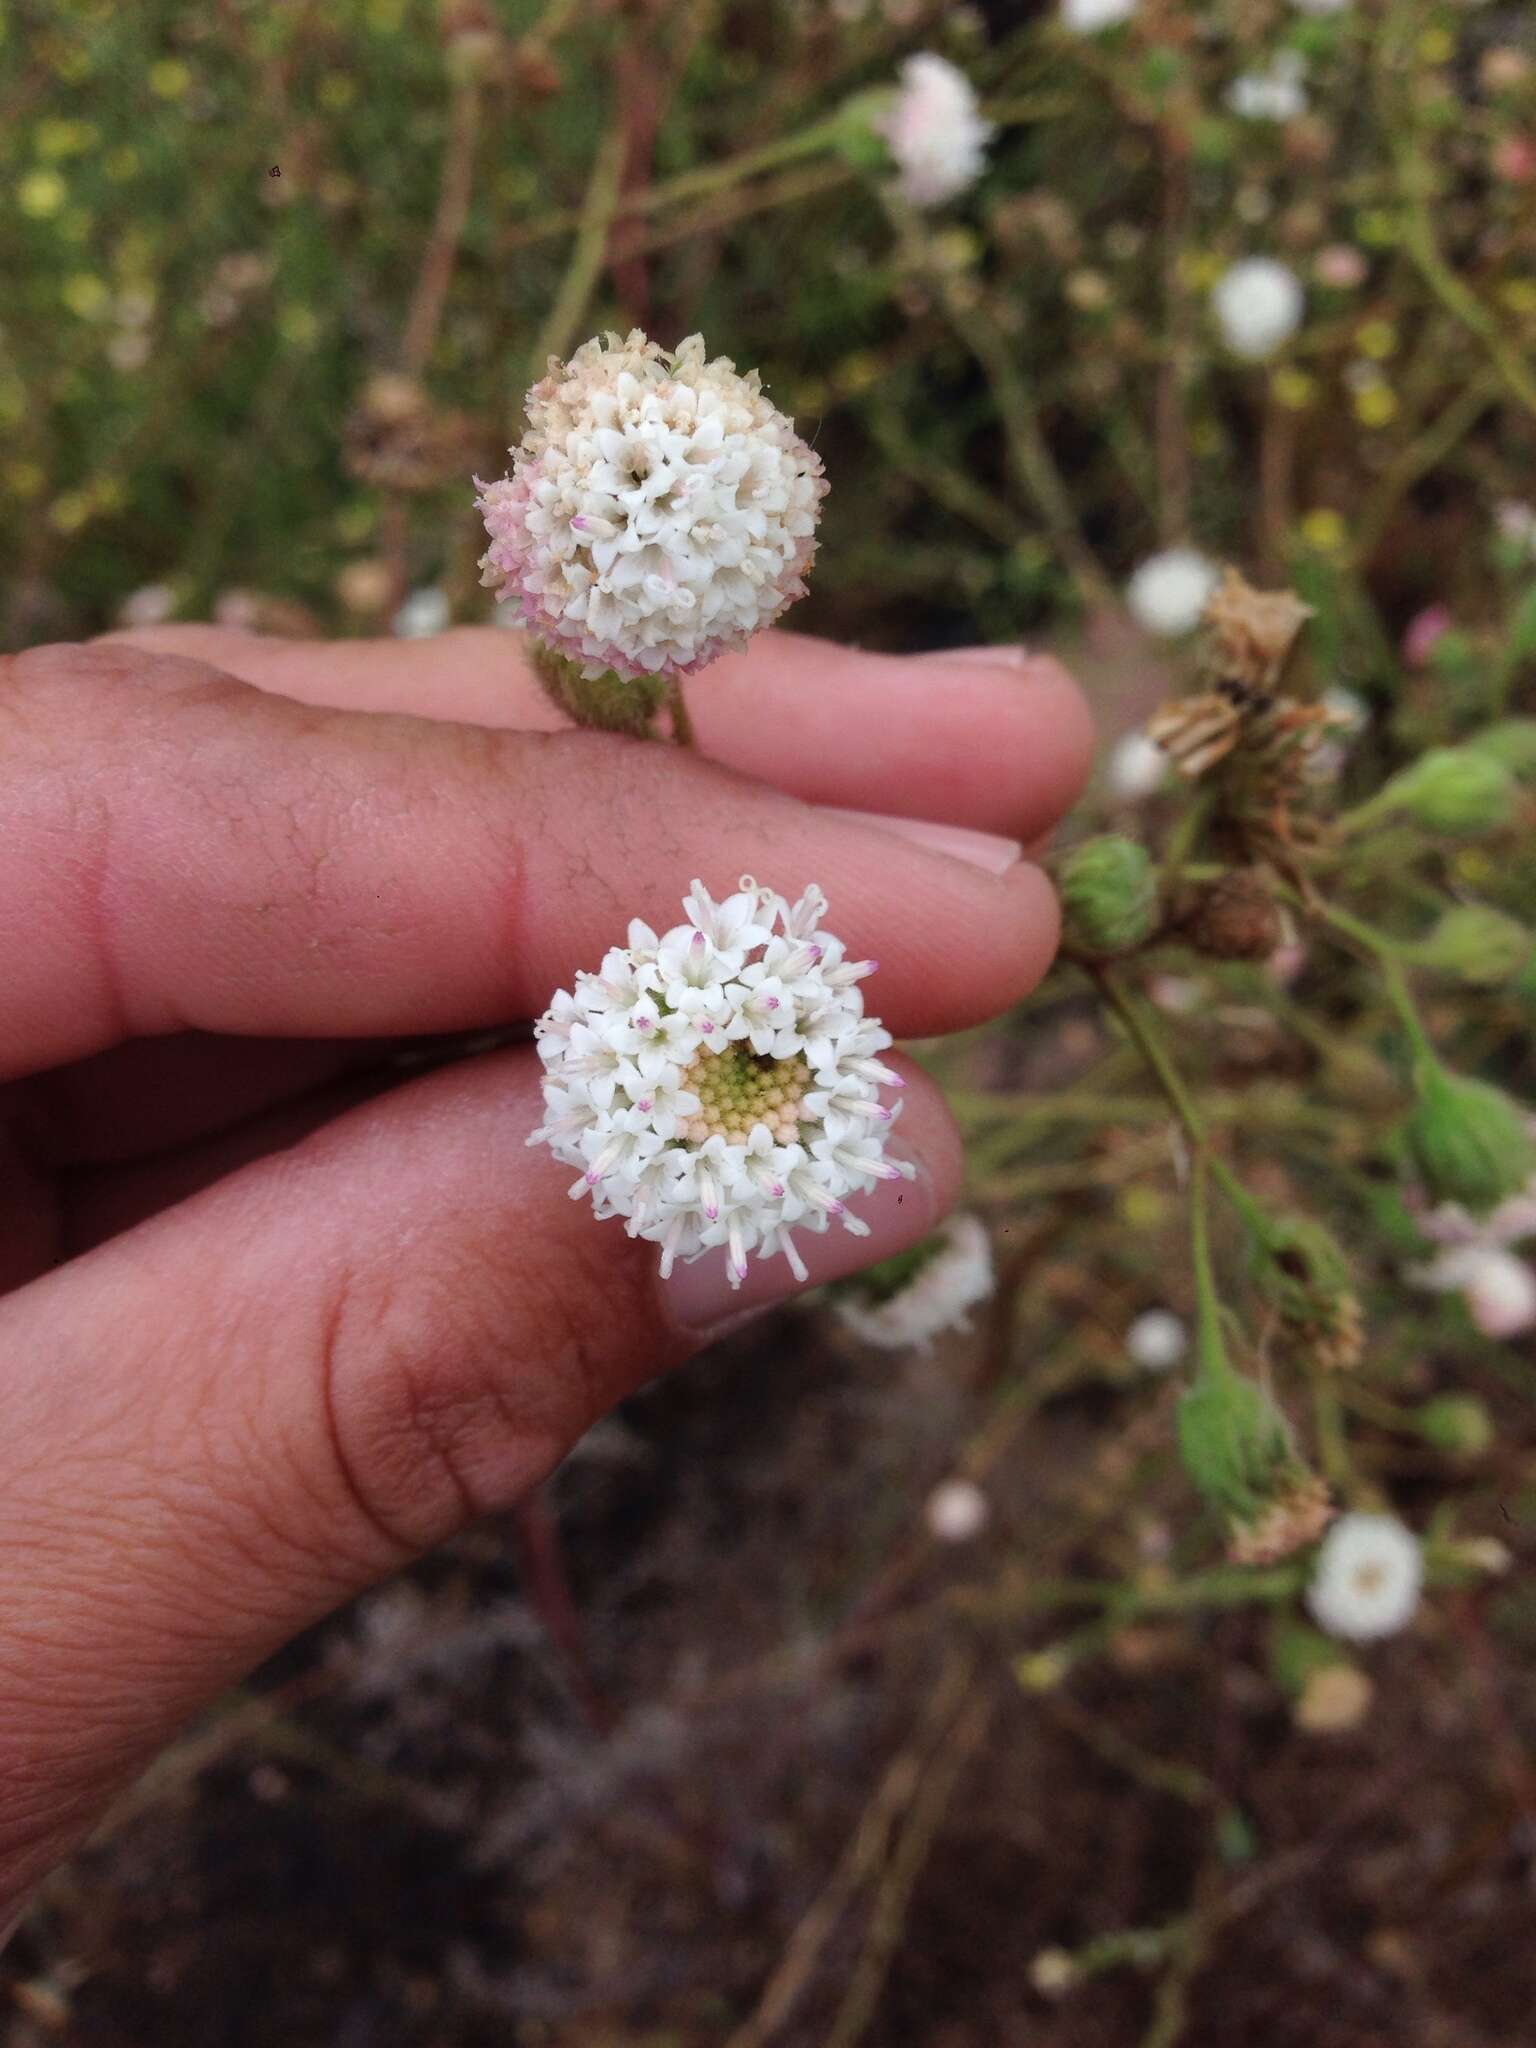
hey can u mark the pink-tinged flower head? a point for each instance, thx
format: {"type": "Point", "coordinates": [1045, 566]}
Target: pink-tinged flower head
{"type": "Point", "coordinates": [935, 131]}
{"type": "Point", "coordinates": [1425, 631]}
{"type": "Point", "coordinates": [659, 510]}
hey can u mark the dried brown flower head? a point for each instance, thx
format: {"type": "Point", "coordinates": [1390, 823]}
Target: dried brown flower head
{"type": "Point", "coordinates": [1289, 1522]}
{"type": "Point", "coordinates": [1252, 632]}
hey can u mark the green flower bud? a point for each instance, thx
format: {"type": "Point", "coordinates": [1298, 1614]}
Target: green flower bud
{"type": "Point", "coordinates": [1469, 1140]}
{"type": "Point", "coordinates": [1512, 743]}
{"type": "Point", "coordinates": [1108, 897]}
{"type": "Point", "coordinates": [1477, 943]}
{"type": "Point", "coordinates": [1302, 1272]}
{"type": "Point", "coordinates": [858, 138]}
{"type": "Point", "coordinates": [1458, 791]}
{"type": "Point", "coordinates": [1456, 1422]}
{"type": "Point", "coordinates": [1234, 1444]}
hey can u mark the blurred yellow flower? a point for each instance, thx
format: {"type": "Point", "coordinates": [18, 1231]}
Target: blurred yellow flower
{"type": "Point", "coordinates": [1376, 405]}
{"type": "Point", "coordinates": [337, 90]}
{"type": "Point", "coordinates": [1294, 389]}
{"type": "Point", "coordinates": [1519, 294]}
{"type": "Point", "coordinates": [54, 138]}
{"type": "Point", "coordinates": [1437, 46]}
{"type": "Point", "coordinates": [299, 326]}
{"type": "Point", "coordinates": [85, 295]}
{"type": "Point", "coordinates": [169, 78]}
{"type": "Point", "coordinates": [1324, 529]}
{"type": "Point", "coordinates": [1377, 227]}
{"type": "Point", "coordinates": [70, 511]}
{"type": "Point", "coordinates": [25, 479]}
{"type": "Point", "coordinates": [1377, 339]}
{"type": "Point", "coordinates": [40, 194]}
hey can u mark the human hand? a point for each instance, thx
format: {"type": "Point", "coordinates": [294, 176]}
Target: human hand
{"type": "Point", "coordinates": [275, 1325]}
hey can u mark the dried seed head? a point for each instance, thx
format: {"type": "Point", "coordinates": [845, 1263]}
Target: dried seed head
{"type": "Point", "coordinates": [1252, 632]}
{"type": "Point", "coordinates": [1295, 1517]}
{"type": "Point", "coordinates": [1234, 918]}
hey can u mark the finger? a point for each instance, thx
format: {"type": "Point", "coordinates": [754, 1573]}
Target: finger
{"type": "Point", "coordinates": [988, 737]}
{"type": "Point", "coordinates": [178, 852]}
{"type": "Point", "coordinates": [226, 1421]}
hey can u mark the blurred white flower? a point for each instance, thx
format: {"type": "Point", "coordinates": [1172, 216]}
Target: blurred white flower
{"type": "Point", "coordinates": [1273, 94]}
{"type": "Point", "coordinates": [149, 606]}
{"type": "Point", "coordinates": [948, 1284]}
{"type": "Point", "coordinates": [1320, 6]}
{"type": "Point", "coordinates": [1367, 1579]}
{"type": "Point", "coordinates": [1499, 1288]}
{"type": "Point", "coordinates": [424, 613]}
{"type": "Point", "coordinates": [1168, 592]}
{"type": "Point", "coordinates": [1157, 1340]}
{"type": "Point", "coordinates": [935, 131]}
{"type": "Point", "coordinates": [1087, 17]}
{"type": "Point", "coordinates": [957, 1510]}
{"type": "Point", "coordinates": [1516, 522]}
{"type": "Point", "coordinates": [1258, 305]}
{"type": "Point", "coordinates": [1137, 767]}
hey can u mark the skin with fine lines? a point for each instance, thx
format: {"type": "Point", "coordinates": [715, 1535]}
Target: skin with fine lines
{"type": "Point", "coordinates": [280, 1307]}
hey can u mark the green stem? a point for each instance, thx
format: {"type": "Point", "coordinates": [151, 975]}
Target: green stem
{"type": "Point", "coordinates": [1386, 953]}
{"type": "Point", "coordinates": [1212, 1345]}
{"type": "Point", "coordinates": [677, 707]}
{"type": "Point", "coordinates": [598, 211]}
{"type": "Point", "coordinates": [1150, 1044]}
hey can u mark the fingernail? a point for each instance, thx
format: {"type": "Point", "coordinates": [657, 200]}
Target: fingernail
{"type": "Point", "coordinates": [701, 1304]}
{"type": "Point", "coordinates": [1005, 654]}
{"type": "Point", "coordinates": [985, 850]}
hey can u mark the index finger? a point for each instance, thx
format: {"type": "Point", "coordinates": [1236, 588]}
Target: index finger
{"type": "Point", "coordinates": [987, 737]}
{"type": "Point", "coordinates": [179, 852]}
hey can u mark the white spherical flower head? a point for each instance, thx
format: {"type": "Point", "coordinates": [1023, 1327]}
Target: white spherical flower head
{"type": "Point", "coordinates": [1088, 17]}
{"type": "Point", "coordinates": [659, 510]}
{"type": "Point", "coordinates": [1137, 767]}
{"type": "Point", "coordinates": [1258, 305]}
{"type": "Point", "coordinates": [1157, 1340]}
{"type": "Point", "coordinates": [956, 1510]}
{"type": "Point", "coordinates": [952, 1273]}
{"type": "Point", "coordinates": [1368, 1577]}
{"type": "Point", "coordinates": [1169, 591]}
{"type": "Point", "coordinates": [719, 1086]}
{"type": "Point", "coordinates": [935, 131]}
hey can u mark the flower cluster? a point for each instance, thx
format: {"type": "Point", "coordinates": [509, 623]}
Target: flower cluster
{"type": "Point", "coordinates": [719, 1086]}
{"type": "Point", "coordinates": [659, 510]}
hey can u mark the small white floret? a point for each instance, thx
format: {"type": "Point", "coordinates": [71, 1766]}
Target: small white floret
{"type": "Point", "coordinates": [1157, 1340]}
{"type": "Point", "coordinates": [1137, 767]}
{"type": "Point", "coordinates": [1088, 17]}
{"type": "Point", "coordinates": [1258, 305]}
{"type": "Point", "coordinates": [957, 1510]}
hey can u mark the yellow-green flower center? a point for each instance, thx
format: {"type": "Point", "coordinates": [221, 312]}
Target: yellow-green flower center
{"type": "Point", "coordinates": [738, 1088]}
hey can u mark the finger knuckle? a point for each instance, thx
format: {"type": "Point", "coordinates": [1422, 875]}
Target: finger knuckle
{"type": "Point", "coordinates": [451, 1391]}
